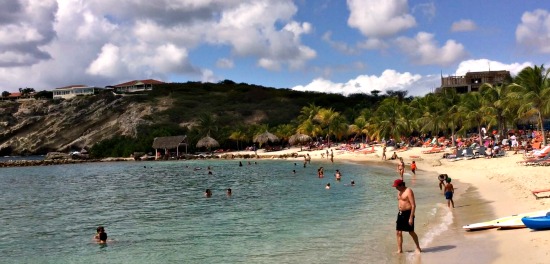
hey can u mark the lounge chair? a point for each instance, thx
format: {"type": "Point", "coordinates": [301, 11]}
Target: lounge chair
{"type": "Point", "coordinates": [459, 155]}
{"type": "Point", "coordinates": [368, 151]}
{"type": "Point", "coordinates": [543, 152]}
{"type": "Point", "coordinates": [481, 151]}
{"type": "Point", "coordinates": [537, 192]}
{"type": "Point", "coordinates": [434, 149]}
{"type": "Point", "coordinates": [469, 154]}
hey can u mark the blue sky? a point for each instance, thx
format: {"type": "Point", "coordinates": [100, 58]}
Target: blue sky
{"type": "Point", "coordinates": [335, 46]}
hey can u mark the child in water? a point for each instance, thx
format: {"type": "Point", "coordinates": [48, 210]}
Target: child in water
{"type": "Point", "coordinates": [449, 191]}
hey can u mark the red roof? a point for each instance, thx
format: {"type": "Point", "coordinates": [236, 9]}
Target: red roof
{"type": "Point", "coordinates": [15, 95]}
{"type": "Point", "coordinates": [134, 82]}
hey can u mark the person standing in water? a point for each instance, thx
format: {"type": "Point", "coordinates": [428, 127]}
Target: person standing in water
{"type": "Point", "coordinates": [413, 168]}
{"type": "Point", "coordinates": [401, 168]}
{"type": "Point", "coordinates": [449, 191]}
{"type": "Point", "coordinates": [338, 175]}
{"type": "Point", "coordinates": [405, 218]}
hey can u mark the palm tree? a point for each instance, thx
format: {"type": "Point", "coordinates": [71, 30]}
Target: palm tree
{"type": "Point", "coordinates": [329, 121]}
{"type": "Point", "coordinates": [206, 124]}
{"type": "Point", "coordinates": [496, 97]}
{"type": "Point", "coordinates": [238, 135]}
{"type": "Point", "coordinates": [430, 108]}
{"type": "Point", "coordinates": [533, 87]}
{"type": "Point", "coordinates": [359, 127]}
{"type": "Point", "coordinates": [308, 112]}
{"type": "Point", "coordinates": [284, 132]}
{"type": "Point", "coordinates": [339, 126]}
{"type": "Point", "coordinates": [308, 127]}
{"type": "Point", "coordinates": [475, 113]}
{"type": "Point", "coordinates": [387, 120]}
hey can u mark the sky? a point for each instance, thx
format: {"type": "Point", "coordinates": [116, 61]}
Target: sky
{"type": "Point", "coordinates": [332, 46]}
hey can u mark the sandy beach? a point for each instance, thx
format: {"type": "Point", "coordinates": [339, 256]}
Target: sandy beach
{"type": "Point", "coordinates": [486, 189]}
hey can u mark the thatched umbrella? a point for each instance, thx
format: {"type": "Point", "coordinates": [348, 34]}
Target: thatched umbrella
{"type": "Point", "coordinates": [265, 137]}
{"type": "Point", "coordinates": [207, 142]}
{"type": "Point", "coordinates": [299, 139]}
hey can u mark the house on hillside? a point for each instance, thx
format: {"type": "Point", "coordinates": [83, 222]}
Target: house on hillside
{"type": "Point", "coordinates": [11, 97]}
{"type": "Point", "coordinates": [71, 91]}
{"type": "Point", "coordinates": [18, 97]}
{"type": "Point", "coordinates": [135, 86]}
{"type": "Point", "coordinates": [473, 80]}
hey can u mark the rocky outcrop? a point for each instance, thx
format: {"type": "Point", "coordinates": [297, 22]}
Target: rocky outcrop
{"type": "Point", "coordinates": [42, 126]}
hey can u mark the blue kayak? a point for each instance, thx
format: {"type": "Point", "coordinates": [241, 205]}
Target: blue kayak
{"type": "Point", "coordinates": [538, 222]}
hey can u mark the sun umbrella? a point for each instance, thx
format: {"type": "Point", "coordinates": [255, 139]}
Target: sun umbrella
{"type": "Point", "coordinates": [298, 138]}
{"type": "Point", "coordinates": [265, 137]}
{"type": "Point", "coordinates": [207, 142]}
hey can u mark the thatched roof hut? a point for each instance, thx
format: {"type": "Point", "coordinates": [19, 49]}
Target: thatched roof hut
{"type": "Point", "coordinates": [265, 137]}
{"type": "Point", "coordinates": [168, 143]}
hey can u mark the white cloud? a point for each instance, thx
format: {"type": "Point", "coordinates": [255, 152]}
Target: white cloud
{"type": "Point", "coordinates": [101, 42]}
{"type": "Point", "coordinates": [423, 50]}
{"type": "Point", "coordinates": [374, 43]}
{"type": "Point", "coordinates": [485, 64]}
{"type": "Point", "coordinates": [225, 63]}
{"type": "Point", "coordinates": [427, 9]}
{"type": "Point", "coordinates": [380, 19]}
{"type": "Point", "coordinates": [25, 26]}
{"type": "Point", "coordinates": [463, 25]}
{"type": "Point", "coordinates": [107, 62]}
{"type": "Point", "coordinates": [533, 32]}
{"type": "Point", "coordinates": [388, 80]}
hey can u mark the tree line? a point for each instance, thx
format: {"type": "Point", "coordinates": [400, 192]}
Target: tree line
{"type": "Point", "coordinates": [525, 99]}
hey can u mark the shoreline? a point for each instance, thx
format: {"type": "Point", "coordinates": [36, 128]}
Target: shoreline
{"type": "Point", "coordinates": [486, 189]}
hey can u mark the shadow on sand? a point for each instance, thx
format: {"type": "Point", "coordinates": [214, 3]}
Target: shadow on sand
{"type": "Point", "coordinates": [438, 249]}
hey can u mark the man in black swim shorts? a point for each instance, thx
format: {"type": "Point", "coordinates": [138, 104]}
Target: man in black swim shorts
{"type": "Point", "coordinates": [402, 223]}
{"type": "Point", "coordinates": [405, 218]}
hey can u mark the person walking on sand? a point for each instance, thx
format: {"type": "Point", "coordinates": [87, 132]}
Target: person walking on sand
{"type": "Point", "coordinates": [405, 218]}
{"type": "Point", "coordinates": [449, 191]}
{"type": "Point", "coordinates": [401, 168]}
{"type": "Point", "coordinates": [413, 168]}
{"type": "Point", "coordinates": [384, 153]}
{"type": "Point", "coordinates": [331, 156]}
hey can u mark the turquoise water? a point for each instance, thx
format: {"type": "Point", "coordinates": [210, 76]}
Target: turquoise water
{"type": "Point", "coordinates": [155, 212]}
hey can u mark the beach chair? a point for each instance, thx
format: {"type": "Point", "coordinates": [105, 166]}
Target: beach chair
{"type": "Point", "coordinates": [481, 152]}
{"type": "Point", "coordinates": [434, 149]}
{"type": "Point", "coordinates": [537, 195]}
{"type": "Point", "coordinates": [459, 155]}
{"type": "Point", "coordinates": [500, 153]}
{"type": "Point", "coordinates": [469, 154]}
{"type": "Point", "coordinates": [368, 151]}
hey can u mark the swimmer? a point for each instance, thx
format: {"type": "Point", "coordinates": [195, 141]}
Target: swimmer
{"type": "Point", "coordinates": [209, 172]}
{"type": "Point", "coordinates": [327, 186]}
{"type": "Point", "coordinates": [229, 192]}
{"type": "Point", "coordinates": [338, 175]}
{"type": "Point", "coordinates": [352, 183]}
{"type": "Point", "coordinates": [208, 193]}
{"type": "Point", "coordinates": [101, 235]}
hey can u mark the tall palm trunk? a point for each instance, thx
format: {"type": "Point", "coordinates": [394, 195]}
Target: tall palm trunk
{"type": "Point", "coordinates": [541, 124]}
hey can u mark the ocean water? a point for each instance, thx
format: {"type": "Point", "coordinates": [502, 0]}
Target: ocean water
{"type": "Point", "coordinates": [155, 212]}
